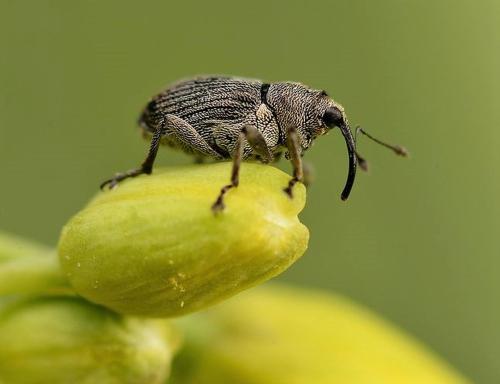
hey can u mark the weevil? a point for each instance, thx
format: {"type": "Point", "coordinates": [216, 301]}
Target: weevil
{"type": "Point", "coordinates": [223, 117]}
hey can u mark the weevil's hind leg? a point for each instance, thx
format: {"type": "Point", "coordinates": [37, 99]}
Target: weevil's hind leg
{"type": "Point", "coordinates": [292, 143]}
{"type": "Point", "coordinates": [146, 166]}
{"type": "Point", "coordinates": [219, 206]}
{"type": "Point", "coordinates": [185, 133]}
{"type": "Point", "coordinates": [180, 130]}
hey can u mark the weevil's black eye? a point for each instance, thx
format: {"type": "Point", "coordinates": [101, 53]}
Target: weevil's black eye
{"type": "Point", "coordinates": [333, 117]}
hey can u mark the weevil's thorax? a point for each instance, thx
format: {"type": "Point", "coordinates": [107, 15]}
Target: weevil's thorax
{"type": "Point", "coordinates": [296, 105]}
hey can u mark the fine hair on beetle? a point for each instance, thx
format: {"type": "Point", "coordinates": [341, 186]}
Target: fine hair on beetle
{"type": "Point", "coordinates": [224, 117]}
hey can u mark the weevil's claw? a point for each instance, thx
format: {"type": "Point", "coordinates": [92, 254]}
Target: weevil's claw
{"type": "Point", "coordinates": [116, 179]}
{"type": "Point", "coordinates": [218, 207]}
{"type": "Point", "coordinates": [113, 184]}
{"type": "Point", "coordinates": [110, 184]}
{"type": "Point", "coordinates": [288, 190]}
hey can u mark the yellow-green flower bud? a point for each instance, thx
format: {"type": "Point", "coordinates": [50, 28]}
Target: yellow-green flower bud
{"type": "Point", "coordinates": [14, 247]}
{"type": "Point", "coordinates": [153, 247]}
{"type": "Point", "coordinates": [68, 340]}
{"type": "Point", "coordinates": [278, 335]}
{"type": "Point", "coordinates": [29, 268]}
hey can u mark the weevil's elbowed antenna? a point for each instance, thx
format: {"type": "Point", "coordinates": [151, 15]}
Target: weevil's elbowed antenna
{"type": "Point", "coordinates": [351, 150]}
{"type": "Point", "coordinates": [397, 149]}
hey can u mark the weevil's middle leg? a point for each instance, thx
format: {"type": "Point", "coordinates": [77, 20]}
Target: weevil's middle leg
{"type": "Point", "coordinates": [258, 143]}
{"type": "Point", "coordinates": [219, 206]}
{"type": "Point", "coordinates": [146, 166]}
{"type": "Point", "coordinates": [294, 151]}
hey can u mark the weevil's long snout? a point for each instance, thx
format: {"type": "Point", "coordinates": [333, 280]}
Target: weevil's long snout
{"type": "Point", "coordinates": [351, 150]}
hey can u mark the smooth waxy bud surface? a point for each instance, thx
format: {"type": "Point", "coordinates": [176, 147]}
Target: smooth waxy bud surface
{"type": "Point", "coordinates": [68, 340]}
{"type": "Point", "coordinates": [152, 246]}
{"type": "Point", "coordinates": [28, 268]}
{"type": "Point", "coordinates": [283, 335]}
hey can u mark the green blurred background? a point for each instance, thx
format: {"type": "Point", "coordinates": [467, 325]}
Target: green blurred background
{"type": "Point", "coordinates": [418, 241]}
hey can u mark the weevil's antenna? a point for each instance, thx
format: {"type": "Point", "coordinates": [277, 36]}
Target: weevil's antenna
{"type": "Point", "coordinates": [398, 149]}
{"type": "Point", "coordinates": [351, 150]}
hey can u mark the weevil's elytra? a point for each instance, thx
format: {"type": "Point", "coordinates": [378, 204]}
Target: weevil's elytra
{"type": "Point", "coordinates": [223, 117]}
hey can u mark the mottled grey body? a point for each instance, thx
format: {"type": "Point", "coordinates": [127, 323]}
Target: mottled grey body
{"type": "Point", "coordinates": [217, 108]}
{"type": "Point", "coordinates": [224, 117]}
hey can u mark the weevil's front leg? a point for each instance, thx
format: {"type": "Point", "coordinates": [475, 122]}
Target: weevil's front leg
{"type": "Point", "coordinates": [258, 143]}
{"type": "Point", "coordinates": [146, 166]}
{"type": "Point", "coordinates": [292, 143]}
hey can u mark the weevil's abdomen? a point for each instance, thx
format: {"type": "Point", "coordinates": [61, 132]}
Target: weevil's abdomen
{"type": "Point", "coordinates": [203, 101]}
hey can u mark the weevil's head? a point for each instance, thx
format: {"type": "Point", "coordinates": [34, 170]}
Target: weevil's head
{"type": "Point", "coordinates": [334, 116]}
{"type": "Point", "coordinates": [313, 113]}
